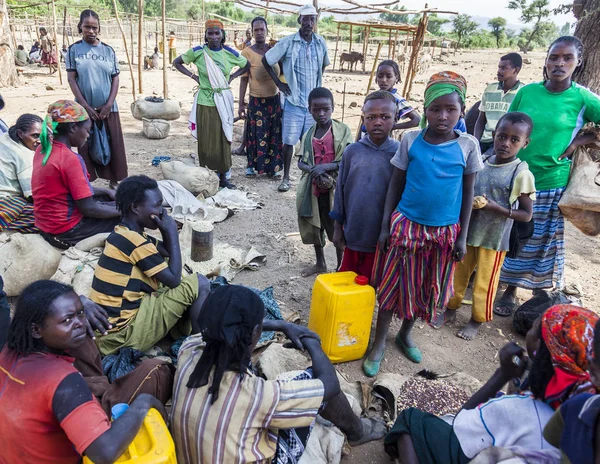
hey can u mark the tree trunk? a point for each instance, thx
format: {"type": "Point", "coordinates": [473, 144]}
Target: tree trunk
{"type": "Point", "coordinates": [587, 13]}
{"type": "Point", "coordinates": [8, 72]}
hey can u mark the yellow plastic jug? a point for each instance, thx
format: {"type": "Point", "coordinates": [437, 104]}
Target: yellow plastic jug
{"type": "Point", "coordinates": [152, 445]}
{"type": "Point", "coordinates": [341, 312]}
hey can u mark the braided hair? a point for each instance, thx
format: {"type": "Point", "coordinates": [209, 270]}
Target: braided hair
{"type": "Point", "coordinates": [567, 40]}
{"type": "Point", "coordinates": [23, 124]}
{"type": "Point", "coordinates": [392, 64]}
{"type": "Point", "coordinates": [87, 14]}
{"type": "Point", "coordinates": [227, 321]}
{"type": "Point", "coordinates": [133, 190]}
{"type": "Point", "coordinates": [33, 307]}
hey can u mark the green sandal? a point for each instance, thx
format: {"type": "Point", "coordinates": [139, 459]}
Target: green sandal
{"type": "Point", "coordinates": [414, 353]}
{"type": "Point", "coordinates": [371, 368]}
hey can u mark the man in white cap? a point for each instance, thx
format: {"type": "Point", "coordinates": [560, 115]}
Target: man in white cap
{"type": "Point", "coordinates": [303, 57]}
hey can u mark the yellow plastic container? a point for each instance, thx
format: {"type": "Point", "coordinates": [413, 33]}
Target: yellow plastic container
{"type": "Point", "coordinates": [152, 445]}
{"type": "Point", "coordinates": [341, 312]}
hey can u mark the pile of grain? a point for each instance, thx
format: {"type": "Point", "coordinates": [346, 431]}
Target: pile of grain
{"type": "Point", "coordinates": [433, 396]}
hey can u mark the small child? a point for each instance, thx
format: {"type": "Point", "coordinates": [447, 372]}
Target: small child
{"type": "Point", "coordinates": [133, 265]}
{"type": "Point", "coordinates": [575, 426]}
{"type": "Point", "coordinates": [320, 154]}
{"type": "Point", "coordinates": [508, 186]}
{"type": "Point", "coordinates": [365, 173]}
{"type": "Point", "coordinates": [426, 218]}
{"type": "Point", "coordinates": [388, 75]}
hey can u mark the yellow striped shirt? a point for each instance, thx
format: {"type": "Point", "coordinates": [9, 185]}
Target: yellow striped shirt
{"type": "Point", "coordinates": [125, 273]}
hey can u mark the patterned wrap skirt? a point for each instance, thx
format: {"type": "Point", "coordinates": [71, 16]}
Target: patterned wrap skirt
{"type": "Point", "coordinates": [541, 262]}
{"type": "Point", "coordinates": [16, 213]}
{"type": "Point", "coordinates": [415, 275]}
{"type": "Point", "coordinates": [264, 143]}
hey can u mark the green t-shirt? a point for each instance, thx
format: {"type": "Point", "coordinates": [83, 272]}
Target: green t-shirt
{"type": "Point", "coordinates": [226, 59]}
{"type": "Point", "coordinates": [557, 117]}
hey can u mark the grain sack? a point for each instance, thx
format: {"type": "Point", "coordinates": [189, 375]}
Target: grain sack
{"type": "Point", "coordinates": [156, 128]}
{"type": "Point", "coordinates": [580, 202]}
{"type": "Point", "coordinates": [76, 268]}
{"type": "Point", "coordinates": [168, 110]}
{"type": "Point", "coordinates": [25, 259]}
{"type": "Point", "coordinates": [95, 241]}
{"type": "Point", "coordinates": [196, 179]}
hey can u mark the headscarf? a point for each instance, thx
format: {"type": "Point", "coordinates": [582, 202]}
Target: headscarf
{"type": "Point", "coordinates": [444, 83]}
{"type": "Point", "coordinates": [568, 332]}
{"type": "Point", "coordinates": [210, 23]}
{"type": "Point", "coordinates": [62, 111]}
{"type": "Point", "coordinates": [226, 321]}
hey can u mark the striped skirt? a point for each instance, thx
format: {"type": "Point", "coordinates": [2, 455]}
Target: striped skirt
{"type": "Point", "coordinates": [17, 214]}
{"type": "Point", "coordinates": [415, 275]}
{"type": "Point", "coordinates": [541, 262]}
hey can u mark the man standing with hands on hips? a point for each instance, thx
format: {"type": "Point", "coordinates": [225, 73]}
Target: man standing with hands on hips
{"type": "Point", "coordinates": [303, 57]}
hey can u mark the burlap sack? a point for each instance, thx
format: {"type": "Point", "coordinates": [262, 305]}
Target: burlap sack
{"type": "Point", "coordinates": [580, 202]}
{"type": "Point", "coordinates": [156, 128]}
{"type": "Point", "coordinates": [168, 110]}
{"type": "Point", "coordinates": [197, 180]}
{"type": "Point", "coordinates": [25, 259]}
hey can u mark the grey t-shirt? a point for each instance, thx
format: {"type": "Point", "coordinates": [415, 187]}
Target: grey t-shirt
{"type": "Point", "coordinates": [95, 65]}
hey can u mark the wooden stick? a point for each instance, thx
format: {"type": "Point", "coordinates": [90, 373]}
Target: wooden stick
{"type": "Point", "coordinates": [140, 50]}
{"type": "Point", "coordinates": [398, 12]}
{"type": "Point", "coordinates": [72, 30]}
{"type": "Point", "coordinates": [337, 39]}
{"type": "Point", "coordinates": [114, 2]}
{"type": "Point", "coordinates": [164, 39]}
{"type": "Point", "coordinates": [56, 42]}
{"type": "Point", "coordinates": [64, 35]}
{"type": "Point", "coordinates": [366, 49]}
{"type": "Point", "coordinates": [343, 102]}
{"type": "Point", "coordinates": [390, 44]}
{"type": "Point", "coordinates": [350, 46]}
{"type": "Point", "coordinates": [369, 87]}
{"type": "Point", "coordinates": [132, 44]}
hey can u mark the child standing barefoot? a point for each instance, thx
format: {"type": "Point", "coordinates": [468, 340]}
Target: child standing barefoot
{"type": "Point", "coordinates": [365, 174]}
{"type": "Point", "coordinates": [504, 181]}
{"type": "Point", "coordinates": [320, 153]}
{"type": "Point", "coordinates": [426, 218]}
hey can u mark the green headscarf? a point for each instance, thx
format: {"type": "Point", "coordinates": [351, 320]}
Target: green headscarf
{"type": "Point", "coordinates": [444, 83]}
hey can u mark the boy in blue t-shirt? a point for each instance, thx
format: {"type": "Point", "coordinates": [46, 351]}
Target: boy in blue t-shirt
{"type": "Point", "coordinates": [574, 427]}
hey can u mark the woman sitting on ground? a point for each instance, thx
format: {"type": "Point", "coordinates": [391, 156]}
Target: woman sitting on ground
{"type": "Point", "coordinates": [65, 208]}
{"type": "Point", "coordinates": [222, 412]}
{"type": "Point", "coordinates": [560, 345]}
{"type": "Point", "coordinates": [48, 413]}
{"type": "Point", "coordinates": [16, 160]}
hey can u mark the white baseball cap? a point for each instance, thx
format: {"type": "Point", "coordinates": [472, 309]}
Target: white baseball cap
{"type": "Point", "coordinates": [308, 10]}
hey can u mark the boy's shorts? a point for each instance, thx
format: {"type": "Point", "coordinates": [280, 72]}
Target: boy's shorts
{"type": "Point", "coordinates": [158, 314]}
{"type": "Point", "coordinates": [295, 123]}
{"type": "Point", "coordinates": [312, 235]}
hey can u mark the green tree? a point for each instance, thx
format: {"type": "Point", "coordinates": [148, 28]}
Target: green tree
{"type": "Point", "coordinates": [498, 26]}
{"type": "Point", "coordinates": [463, 26]}
{"type": "Point", "coordinates": [535, 13]}
{"type": "Point", "coordinates": [435, 23]}
{"type": "Point", "coordinates": [566, 29]}
{"type": "Point", "coordinates": [395, 18]}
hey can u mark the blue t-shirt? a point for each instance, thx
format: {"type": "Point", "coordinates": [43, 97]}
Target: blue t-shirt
{"type": "Point", "coordinates": [95, 65]}
{"type": "Point", "coordinates": [461, 125]}
{"type": "Point", "coordinates": [580, 414]}
{"type": "Point", "coordinates": [434, 176]}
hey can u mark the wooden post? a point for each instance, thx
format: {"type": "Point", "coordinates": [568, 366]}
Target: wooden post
{"type": "Point", "coordinates": [132, 43]}
{"type": "Point", "coordinates": [72, 30]}
{"type": "Point", "coordinates": [394, 47]}
{"type": "Point", "coordinates": [350, 46]}
{"type": "Point", "coordinates": [366, 49]}
{"type": "Point", "coordinates": [369, 86]}
{"type": "Point", "coordinates": [343, 102]}
{"type": "Point", "coordinates": [417, 43]}
{"type": "Point", "coordinates": [337, 39]}
{"type": "Point", "coordinates": [390, 44]}
{"type": "Point", "coordinates": [56, 42]}
{"type": "Point", "coordinates": [267, 10]}
{"type": "Point", "coordinates": [125, 46]}
{"type": "Point", "coordinates": [65, 40]}
{"type": "Point", "coordinates": [164, 38]}
{"type": "Point", "coordinates": [140, 50]}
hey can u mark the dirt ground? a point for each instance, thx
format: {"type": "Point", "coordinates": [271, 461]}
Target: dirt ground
{"type": "Point", "coordinates": [266, 228]}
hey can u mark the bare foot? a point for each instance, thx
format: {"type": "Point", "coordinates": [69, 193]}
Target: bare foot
{"type": "Point", "coordinates": [469, 331]}
{"type": "Point", "coordinates": [447, 317]}
{"type": "Point", "coordinates": [312, 270]}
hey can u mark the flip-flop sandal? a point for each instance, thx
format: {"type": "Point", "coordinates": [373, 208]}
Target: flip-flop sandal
{"type": "Point", "coordinates": [228, 185]}
{"type": "Point", "coordinates": [412, 353]}
{"type": "Point", "coordinates": [250, 173]}
{"type": "Point", "coordinates": [376, 431]}
{"type": "Point", "coordinates": [284, 186]}
{"type": "Point", "coordinates": [503, 309]}
{"type": "Point", "coordinates": [371, 368]}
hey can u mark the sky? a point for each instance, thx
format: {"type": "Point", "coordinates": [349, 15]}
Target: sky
{"type": "Point", "coordinates": [483, 8]}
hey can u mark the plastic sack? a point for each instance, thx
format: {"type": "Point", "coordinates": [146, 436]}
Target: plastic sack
{"type": "Point", "coordinates": [580, 202]}
{"type": "Point", "coordinates": [156, 128]}
{"type": "Point", "coordinates": [195, 179]}
{"type": "Point", "coordinates": [533, 308]}
{"type": "Point", "coordinates": [168, 110]}
{"type": "Point", "coordinates": [99, 144]}
{"type": "Point", "coordinates": [25, 259]}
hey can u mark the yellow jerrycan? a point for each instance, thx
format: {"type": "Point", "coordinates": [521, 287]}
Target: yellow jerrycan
{"type": "Point", "coordinates": [341, 311]}
{"type": "Point", "coordinates": [152, 445]}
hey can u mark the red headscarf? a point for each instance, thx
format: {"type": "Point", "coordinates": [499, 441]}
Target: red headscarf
{"type": "Point", "coordinates": [568, 332]}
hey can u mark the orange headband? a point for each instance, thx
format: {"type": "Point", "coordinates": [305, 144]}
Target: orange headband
{"type": "Point", "coordinates": [210, 23]}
